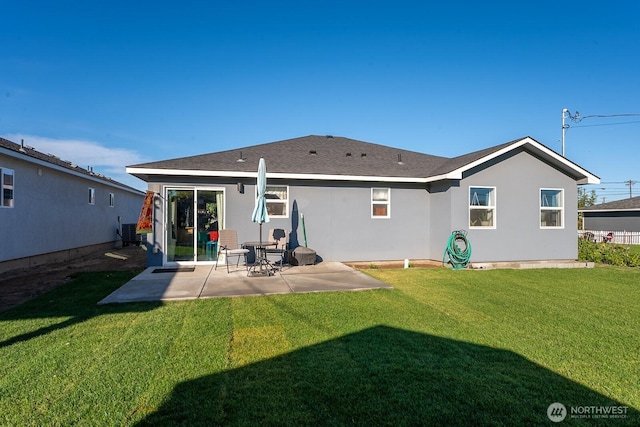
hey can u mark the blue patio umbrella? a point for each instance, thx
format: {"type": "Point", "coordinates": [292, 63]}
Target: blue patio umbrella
{"type": "Point", "coordinates": [260, 214]}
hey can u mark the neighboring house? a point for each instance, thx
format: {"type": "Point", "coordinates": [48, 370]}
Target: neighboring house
{"type": "Point", "coordinates": [619, 215]}
{"type": "Point", "coordinates": [52, 210]}
{"type": "Point", "coordinates": [368, 202]}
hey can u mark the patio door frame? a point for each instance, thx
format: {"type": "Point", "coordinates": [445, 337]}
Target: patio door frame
{"type": "Point", "coordinates": [194, 218]}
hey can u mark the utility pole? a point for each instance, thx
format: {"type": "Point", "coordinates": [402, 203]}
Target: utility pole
{"type": "Point", "coordinates": [630, 184]}
{"type": "Point", "coordinates": [564, 128]}
{"type": "Point", "coordinates": [566, 114]}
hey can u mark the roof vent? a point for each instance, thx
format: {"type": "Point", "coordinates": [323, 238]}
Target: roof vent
{"type": "Point", "coordinates": [329, 136]}
{"type": "Point", "coordinates": [363, 155]}
{"type": "Point", "coordinates": [313, 152]}
{"type": "Point", "coordinates": [21, 149]}
{"type": "Point", "coordinates": [240, 159]}
{"type": "Point", "coordinates": [400, 162]}
{"type": "Point", "coordinates": [348, 154]}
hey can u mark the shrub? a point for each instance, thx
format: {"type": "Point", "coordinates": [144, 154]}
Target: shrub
{"type": "Point", "coordinates": [607, 253]}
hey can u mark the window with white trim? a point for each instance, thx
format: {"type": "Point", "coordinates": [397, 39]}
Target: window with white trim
{"type": "Point", "coordinates": [551, 208]}
{"type": "Point", "coordinates": [92, 196]}
{"type": "Point", "coordinates": [112, 200]}
{"type": "Point", "coordinates": [6, 186]}
{"type": "Point", "coordinates": [482, 207]}
{"type": "Point", "coordinates": [277, 201]}
{"type": "Point", "coordinates": [380, 203]}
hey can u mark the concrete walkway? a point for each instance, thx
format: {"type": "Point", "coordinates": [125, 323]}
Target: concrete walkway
{"type": "Point", "coordinates": [161, 284]}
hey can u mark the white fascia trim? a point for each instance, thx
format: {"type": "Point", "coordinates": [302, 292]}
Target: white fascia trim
{"type": "Point", "coordinates": [298, 176]}
{"type": "Point", "coordinates": [59, 168]}
{"type": "Point", "coordinates": [609, 210]}
{"type": "Point", "coordinates": [588, 178]}
{"type": "Point", "coordinates": [456, 174]}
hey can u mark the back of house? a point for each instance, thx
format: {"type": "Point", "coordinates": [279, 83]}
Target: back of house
{"type": "Point", "coordinates": [351, 200]}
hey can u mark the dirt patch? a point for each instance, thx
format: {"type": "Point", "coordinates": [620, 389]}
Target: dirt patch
{"type": "Point", "coordinates": [19, 286]}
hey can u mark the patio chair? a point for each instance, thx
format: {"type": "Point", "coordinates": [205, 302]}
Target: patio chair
{"type": "Point", "coordinates": [279, 237]}
{"type": "Point", "coordinates": [228, 245]}
{"type": "Point", "coordinates": [203, 238]}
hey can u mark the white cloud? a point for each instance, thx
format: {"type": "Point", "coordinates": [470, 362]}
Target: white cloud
{"type": "Point", "coordinates": [110, 162]}
{"type": "Point", "coordinates": [82, 153]}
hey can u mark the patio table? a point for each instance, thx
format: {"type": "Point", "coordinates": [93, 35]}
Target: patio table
{"type": "Point", "coordinates": [262, 266]}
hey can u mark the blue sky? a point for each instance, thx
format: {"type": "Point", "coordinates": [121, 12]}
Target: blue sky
{"type": "Point", "coordinates": [110, 84]}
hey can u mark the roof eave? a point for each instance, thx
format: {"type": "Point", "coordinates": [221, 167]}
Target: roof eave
{"type": "Point", "coordinates": [139, 172]}
{"type": "Point", "coordinates": [44, 163]}
{"type": "Point", "coordinates": [587, 178]}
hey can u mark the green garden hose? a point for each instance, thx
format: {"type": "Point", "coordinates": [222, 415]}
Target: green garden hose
{"type": "Point", "coordinates": [458, 258]}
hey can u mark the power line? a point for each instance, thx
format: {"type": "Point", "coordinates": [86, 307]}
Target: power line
{"type": "Point", "coordinates": [615, 189]}
{"type": "Point", "coordinates": [566, 114]}
{"type": "Point", "coordinates": [605, 115]}
{"type": "Point", "coordinates": [606, 124]}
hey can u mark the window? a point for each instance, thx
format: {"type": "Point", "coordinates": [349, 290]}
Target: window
{"type": "Point", "coordinates": [482, 207]}
{"type": "Point", "coordinates": [277, 201]}
{"type": "Point", "coordinates": [92, 196]}
{"type": "Point", "coordinates": [112, 200]}
{"type": "Point", "coordinates": [551, 208]}
{"type": "Point", "coordinates": [6, 185]}
{"type": "Point", "coordinates": [380, 202]}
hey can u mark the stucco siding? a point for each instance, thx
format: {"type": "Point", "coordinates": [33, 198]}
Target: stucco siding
{"type": "Point", "coordinates": [52, 213]}
{"type": "Point", "coordinates": [440, 219]}
{"type": "Point", "coordinates": [339, 225]}
{"type": "Point", "coordinates": [338, 221]}
{"type": "Point", "coordinates": [517, 178]}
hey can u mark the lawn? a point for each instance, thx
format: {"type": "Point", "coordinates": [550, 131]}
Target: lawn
{"type": "Point", "coordinates": [443, 348]}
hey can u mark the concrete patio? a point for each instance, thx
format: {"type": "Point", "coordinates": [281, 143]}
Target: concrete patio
{"type": "Point", "coordinates": [165, 284]}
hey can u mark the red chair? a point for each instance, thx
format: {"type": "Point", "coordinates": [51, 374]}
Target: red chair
{"type": "Point", "coordinates": [608, 238]}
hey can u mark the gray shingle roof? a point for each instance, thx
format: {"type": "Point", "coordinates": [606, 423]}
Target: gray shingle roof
{"type": "Point", "coordinates": [334, 156]}
{"type": "Point", "coordinates": [624, 204]}
{"type": "Point", "coordinates": [461, 161]}
{"type": "Point", "coordinates": [329, 155]}
{"type": "Point", "coordinates": [31, 152]}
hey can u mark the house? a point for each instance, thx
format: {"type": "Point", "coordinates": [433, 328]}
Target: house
{"type": "Point", "coordinates": [368, 202]}
{"type": "Point", "coordinates": [619, 215]}
{"type": "Point", "coordinates": [52, 210]}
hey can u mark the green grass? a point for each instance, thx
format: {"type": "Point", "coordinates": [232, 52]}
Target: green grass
{"type": "Point", "coordinates": [443, 348]}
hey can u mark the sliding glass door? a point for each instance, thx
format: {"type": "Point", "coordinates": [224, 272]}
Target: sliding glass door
{"type": "Point", "coordinates": [193, 218]}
